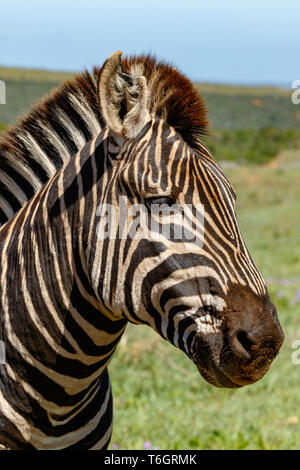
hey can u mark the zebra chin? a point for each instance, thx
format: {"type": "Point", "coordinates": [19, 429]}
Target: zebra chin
{"type": "Point", "coordinates": [216, 374]}
{"type": "Point", "coordinates": [221, 368]}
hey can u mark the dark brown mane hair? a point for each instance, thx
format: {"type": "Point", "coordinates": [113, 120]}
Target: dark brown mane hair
{"type": "Point", "coordinates": [172, 96]}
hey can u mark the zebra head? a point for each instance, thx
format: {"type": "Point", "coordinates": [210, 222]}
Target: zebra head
{"type": "Point", "coordinates": [185, 270]}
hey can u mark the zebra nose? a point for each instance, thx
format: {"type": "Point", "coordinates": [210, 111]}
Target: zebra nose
{"type": "Point", "coordinates": [247, 345]}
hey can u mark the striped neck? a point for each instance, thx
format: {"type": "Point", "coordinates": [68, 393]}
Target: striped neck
{"type": "Point", "coordinates": [62, 332]}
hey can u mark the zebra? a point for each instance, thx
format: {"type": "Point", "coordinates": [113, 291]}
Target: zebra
{"type": "Point", "coordinates": [132, 129]}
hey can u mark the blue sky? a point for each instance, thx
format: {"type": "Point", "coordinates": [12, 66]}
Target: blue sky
{"type": "Point", "coordinates": [231, 41]}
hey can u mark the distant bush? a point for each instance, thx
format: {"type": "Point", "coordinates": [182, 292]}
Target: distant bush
{"type": "Point", "coordinates": [252, 146]}
{"type": "Point", "coordinates": [244, 111]}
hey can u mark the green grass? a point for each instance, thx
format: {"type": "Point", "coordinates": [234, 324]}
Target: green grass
{"type": "Point", "coordinates": [158, 394]}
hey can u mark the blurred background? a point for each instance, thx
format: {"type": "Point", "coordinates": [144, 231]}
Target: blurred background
{"type": "Point", "coordinates": [243, 57]}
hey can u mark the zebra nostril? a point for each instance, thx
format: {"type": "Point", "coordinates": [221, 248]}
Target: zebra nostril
{"type": "Point", "coordinates": [245, 340]}
{"type": "Point", "coordinates": [241, 344]}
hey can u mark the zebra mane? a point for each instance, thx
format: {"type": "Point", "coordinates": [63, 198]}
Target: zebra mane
{"type": "Point", "coordinates": [60, 124]}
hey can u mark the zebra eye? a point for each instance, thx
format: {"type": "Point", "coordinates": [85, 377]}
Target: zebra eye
{"type": "Point", "coordinates": [158, 201]}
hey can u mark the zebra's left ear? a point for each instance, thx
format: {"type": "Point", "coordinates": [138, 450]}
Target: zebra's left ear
{"type": "Point", "coordinates": [123, 98]}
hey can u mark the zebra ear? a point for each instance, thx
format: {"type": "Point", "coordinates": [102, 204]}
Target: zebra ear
{"type": "Point", "coordinates": [123, 98]}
